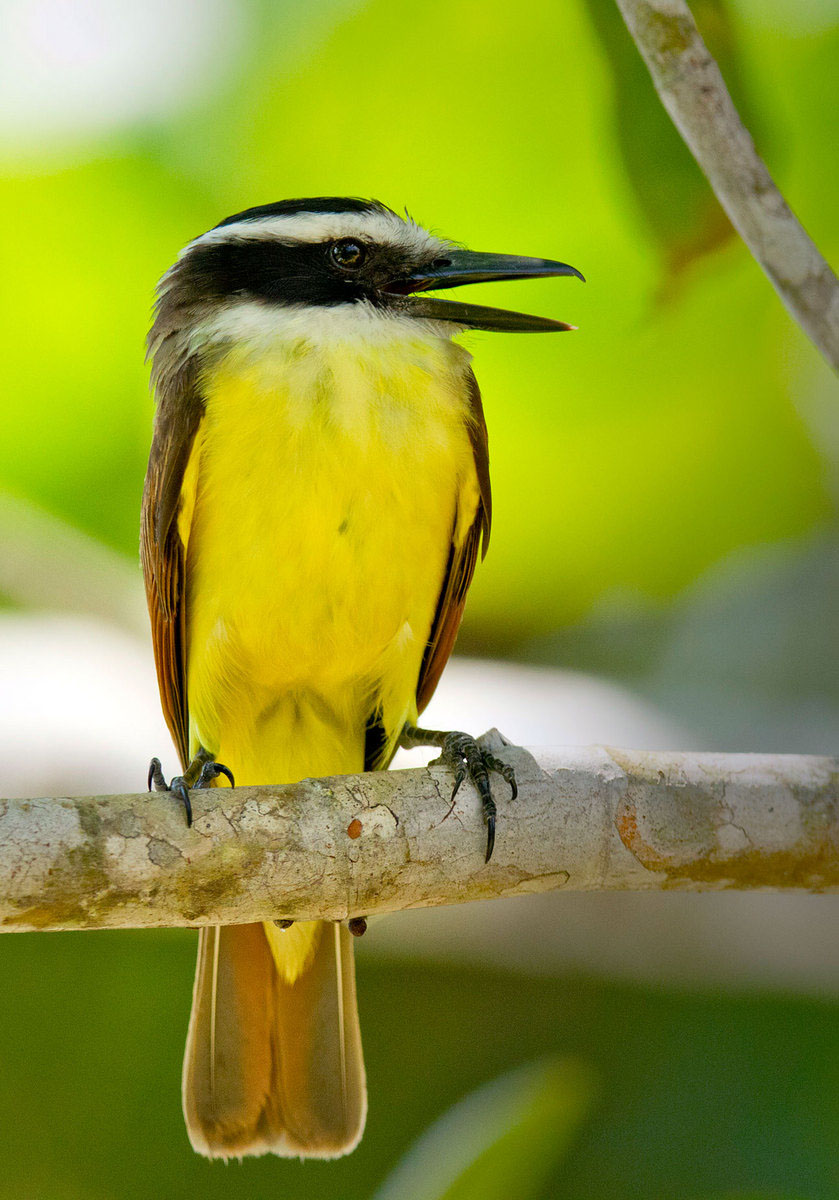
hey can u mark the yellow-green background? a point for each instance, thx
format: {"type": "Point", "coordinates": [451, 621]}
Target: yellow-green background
{"type": "Point", "coordinates": [665, 484]}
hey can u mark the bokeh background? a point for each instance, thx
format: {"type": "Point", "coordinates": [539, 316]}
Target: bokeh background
{"type": "Point", "coordinates": [663, 573]}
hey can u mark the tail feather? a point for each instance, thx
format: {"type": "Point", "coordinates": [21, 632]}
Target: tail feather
{"type": "Point", "coordinates": [273, 1066]}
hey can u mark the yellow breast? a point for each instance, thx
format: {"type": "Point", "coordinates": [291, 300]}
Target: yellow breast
{"type": "Point", "coordinates": [320, 501]}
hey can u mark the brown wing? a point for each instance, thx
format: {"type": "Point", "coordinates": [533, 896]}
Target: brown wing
{"type": "Point", "coordinates": [462, 560]}
{"type": "Point", "coordinates": [179, 413]}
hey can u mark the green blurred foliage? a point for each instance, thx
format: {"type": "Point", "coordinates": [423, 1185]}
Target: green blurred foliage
{"type": "Point", "coordinates": [627, 456]}
{"type": "Point", "coordinates": [502, 1140]}
{"type": "Point", "coordinates": [699, 1096]}
{"type": "Point", "coordinates": [682, 213]}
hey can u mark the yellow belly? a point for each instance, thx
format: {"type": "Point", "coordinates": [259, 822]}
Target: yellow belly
{"type": "Point", "coordinates": [318, 511]}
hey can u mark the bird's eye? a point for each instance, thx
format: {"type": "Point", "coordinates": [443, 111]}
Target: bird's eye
{"type": "Point", "coordinates": [347, 253]}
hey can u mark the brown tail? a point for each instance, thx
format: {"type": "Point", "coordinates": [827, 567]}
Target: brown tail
{"type": "Point", "coordinates": [273, 1067]}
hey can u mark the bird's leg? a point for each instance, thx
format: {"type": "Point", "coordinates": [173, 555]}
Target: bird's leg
{"type": "Point", "coordinates": [199, 774]}
{"type": "Point", "coordinates": [465, 757]}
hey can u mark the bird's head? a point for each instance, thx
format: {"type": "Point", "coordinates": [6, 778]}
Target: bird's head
{"type": "Point", "coordinates": [342, 258]}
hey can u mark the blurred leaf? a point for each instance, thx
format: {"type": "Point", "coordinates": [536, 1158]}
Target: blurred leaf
{"type": "Point", "coordinates": [501, 1141]}
{"type": "Point", "coordinates": [680, 208]}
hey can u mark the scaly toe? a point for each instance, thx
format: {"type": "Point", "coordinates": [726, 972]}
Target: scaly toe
{"type": "Point", "coordinates": [505, 770]}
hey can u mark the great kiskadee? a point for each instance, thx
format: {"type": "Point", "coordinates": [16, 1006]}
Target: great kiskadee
{"type": "Point", "coordinates": [316, 498]}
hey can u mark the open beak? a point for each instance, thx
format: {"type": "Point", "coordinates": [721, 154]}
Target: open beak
{"type": "Point", "coordinates": [457, 267]}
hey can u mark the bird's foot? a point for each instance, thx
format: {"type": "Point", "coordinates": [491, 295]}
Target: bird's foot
{"type": "Point", "coordinates": [356, 925]}
{"type": "Point", "coordinates": [465, 757]}
{"type": "Point", "coordinates": [199, 774]}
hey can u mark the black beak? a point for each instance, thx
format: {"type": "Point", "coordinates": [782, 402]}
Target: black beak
{"type": "Point", "coordinates": [457, 267]}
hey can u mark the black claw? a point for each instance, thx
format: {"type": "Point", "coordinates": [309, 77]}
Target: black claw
{"type": "Point", "coordinates": [462, 754]}
{"type": "Point", "coordinates": [200, 773]}
{"type": "Point", "coordinates": [155, 779]}
{"type": "Point", "coordinates": [503, 769]}
{"type": "Point", "coordinates": [489, 816]}
{"type": "Point", "coordinates": [490, 838]}
{"type": "Point", "coordinates": [466, 757]}
{"type": "Point", "coordinates": [284, 923]}
{"type": "Point", "coordinates": [210, 771]}
{"type": "Point", "coordinates": [179, 788]}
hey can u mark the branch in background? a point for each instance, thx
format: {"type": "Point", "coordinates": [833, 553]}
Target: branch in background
{"type": "Point", "coordinates": [356, 845]}
{"type": "Point", "coordinates": [692, 90]}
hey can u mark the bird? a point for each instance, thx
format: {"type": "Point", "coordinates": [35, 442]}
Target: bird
{"type": "Point", "coordinates": [316, 500]}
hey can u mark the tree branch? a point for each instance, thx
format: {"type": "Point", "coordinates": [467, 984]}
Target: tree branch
{"type": "Point", "coordinates": [595, 818]}
{"type": "Point", "coordinates": [692, 90]}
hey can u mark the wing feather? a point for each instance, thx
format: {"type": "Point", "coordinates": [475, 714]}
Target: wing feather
{"type": "Point", "coordinates": [462, 559]}
{"type": "Point", "coordinates": [162, 552]}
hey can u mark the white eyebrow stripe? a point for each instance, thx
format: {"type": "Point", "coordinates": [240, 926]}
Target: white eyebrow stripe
{"type": "Point", "coordinates": [321, 227]}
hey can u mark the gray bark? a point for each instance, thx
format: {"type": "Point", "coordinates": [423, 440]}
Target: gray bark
{"type": "Point", "coordinates": [594, 818]}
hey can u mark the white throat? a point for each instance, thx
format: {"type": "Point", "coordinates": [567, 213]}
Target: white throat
{"type": "Point", "coordinates": [261, 326]}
